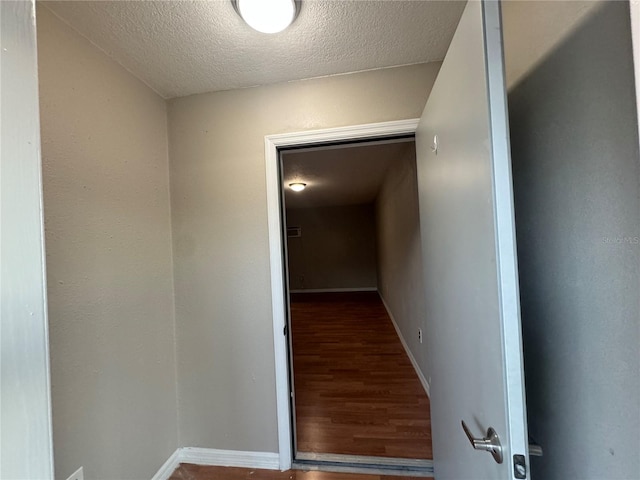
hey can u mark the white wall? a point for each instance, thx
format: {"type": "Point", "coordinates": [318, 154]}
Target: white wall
{"type": "Point", "coordinates": [226, 377]}
{"type": "Point", "coordinates": [337, 248]}
{"type": "Point", "coordinates": [108, 235]}
{"type": "Point", "coordinates": [26, 450]}
{"type": "Point", "coordinates": [400, 281]}
{"type": "Point", "coordinates": [577, 196]}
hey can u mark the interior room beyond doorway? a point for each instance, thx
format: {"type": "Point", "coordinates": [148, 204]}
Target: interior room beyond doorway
{"type": "Point", "coordinates": [359, 363]}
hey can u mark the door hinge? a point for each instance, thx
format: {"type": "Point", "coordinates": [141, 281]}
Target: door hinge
{"type": "Point", "coordinates": [286, 330]}
{"type": "Point", "coordinates": [519, 466]}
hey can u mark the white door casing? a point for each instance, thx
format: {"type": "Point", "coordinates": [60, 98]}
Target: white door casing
{"type": "Point", "coordinates": [634, 7]}
{"type": "Point", "coordinates": [26, 446]}
{"type": "Point", "coordinates": [272, 143]}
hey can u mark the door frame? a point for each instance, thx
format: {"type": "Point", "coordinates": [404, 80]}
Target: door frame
{"type": "Point", "coordinates": [276, 250]}
{"type": "Point", "coordinates": [634, 10]}
{"type": "Point", "coordinates": [25, 388]}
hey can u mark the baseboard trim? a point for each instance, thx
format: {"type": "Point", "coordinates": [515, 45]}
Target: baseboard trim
{"type": "Point", "coordinates": [416, 367]}
{"type": "Point", "coordinates": [230, 458]}
{"type": "Point", "coordinates": [165, 471]}
{"type": "Point", "coordinates": [218, 458]}
{"type": "Point", "coordinates": [334, 290]}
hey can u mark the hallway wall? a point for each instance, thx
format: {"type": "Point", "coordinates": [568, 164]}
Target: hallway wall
{"type": "Point", "coordinates": [108, 254]}
{"type": "Point", "coordinates": [577, 195]}
{"type": "Point", "coordinates": [337, 249]}
{"type": "Point", "coordinates": [399, 254]}
{"type": "Point", "coordinates": [532, 30]}
{"type": "Point", "coordinates": [226, 376]}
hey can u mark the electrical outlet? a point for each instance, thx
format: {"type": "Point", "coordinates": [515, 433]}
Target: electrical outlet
{"type": "Point", "coordinates": [420, 335]}
{"type": "Point", "coordinates": [77, 475]}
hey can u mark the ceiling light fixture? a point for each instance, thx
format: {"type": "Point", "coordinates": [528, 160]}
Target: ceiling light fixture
{"type": "Point", "coordinates": [267, 16]}
{"type": "Point", "coordinates": [297, 187]}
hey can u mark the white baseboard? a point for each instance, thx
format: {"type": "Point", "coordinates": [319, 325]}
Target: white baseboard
{"type": "Point", "coordinates": [334, 290]}
{"type": "Point", "coordinates": [416, 367]}
{"type": "Point", "coordinates": [219, 458]}
{"type": "Point", "coordinates": [230, 458]}
{"type": "Point", "coordinates": [168, 467]}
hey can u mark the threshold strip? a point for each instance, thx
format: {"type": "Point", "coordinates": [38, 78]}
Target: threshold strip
{"type": "Point", "coordinates": [334, 462]}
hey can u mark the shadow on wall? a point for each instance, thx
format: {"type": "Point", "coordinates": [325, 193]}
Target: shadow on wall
{"type": "Point", "coordinates": [577, 189]}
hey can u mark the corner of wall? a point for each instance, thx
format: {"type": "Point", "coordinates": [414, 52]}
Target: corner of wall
{"type": "Point", "coordinates": [173, 287]}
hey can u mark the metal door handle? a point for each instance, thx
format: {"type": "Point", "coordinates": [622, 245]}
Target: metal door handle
{"type": "Point", "coordinates": [490, 443]}
{"type": "Point", "coordinates": [535, 450]}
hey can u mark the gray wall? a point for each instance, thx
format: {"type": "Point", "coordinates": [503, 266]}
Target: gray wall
{"type": "Point", "coordinates": [26, 450]}
{"type": "Point", "coordinates": [577, 190]}
{"type": "Point", "coordinates": [337, 248]}
{"type": "Point", "coordinates": [399, 254]}
{"type": "Point", "coordinates": [226, 373]}
{"type": "Point", "coordinates": [108, 239]}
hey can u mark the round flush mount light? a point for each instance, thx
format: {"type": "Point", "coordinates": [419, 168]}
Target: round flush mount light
{"type": "Point", "coordinates": [297, 187]}
{"type": "Point", "coordinates": [267, 16]}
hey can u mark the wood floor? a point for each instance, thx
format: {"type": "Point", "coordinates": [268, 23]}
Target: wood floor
{"type": "Point", "coordinates": [195, 472]}
{"type": "Point", "coordinates": [356, 392]}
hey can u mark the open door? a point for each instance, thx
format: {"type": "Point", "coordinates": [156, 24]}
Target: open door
{"type": "Point", "coordinates": [469, 259]}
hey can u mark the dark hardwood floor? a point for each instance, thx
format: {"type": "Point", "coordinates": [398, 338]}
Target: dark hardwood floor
{"type": "Point", "coordinates": [356, 392]}
{"type": "Point", "coordinates": [195, 472]}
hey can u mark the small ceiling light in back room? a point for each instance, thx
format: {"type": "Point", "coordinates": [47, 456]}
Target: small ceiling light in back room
{"type": "Point", "coordinates": [297, 187]}
{"type": "Point", "coordinates": [267, 16]}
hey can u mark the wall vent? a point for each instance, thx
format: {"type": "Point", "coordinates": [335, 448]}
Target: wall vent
{"type": "Point", "coordinates": [293, 232]}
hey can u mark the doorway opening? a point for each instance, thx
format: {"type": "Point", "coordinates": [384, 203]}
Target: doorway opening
{"type": "Point", "coordinates": [359, 399]}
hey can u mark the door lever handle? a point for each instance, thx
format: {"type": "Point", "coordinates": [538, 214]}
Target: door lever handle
{"type": "Point", "coordinates": [490, 443]}
{"type": "Point", "coordinates": [535, 450]}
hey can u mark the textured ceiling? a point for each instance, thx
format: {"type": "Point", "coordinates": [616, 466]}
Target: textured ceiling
{"type": "Point", "coordinates": [181, 48]}
{"type": "Point", "coordinates": [346, 175]}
